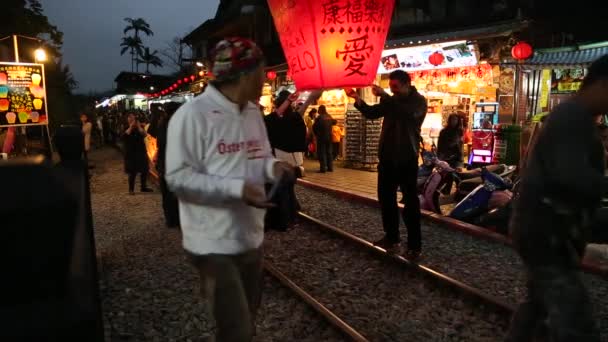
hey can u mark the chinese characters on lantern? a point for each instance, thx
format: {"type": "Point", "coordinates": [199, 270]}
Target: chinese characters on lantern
{"type": "Point", "coordinates": [332, 43]}
{"type": "Point", "coordinates": [357, 51]}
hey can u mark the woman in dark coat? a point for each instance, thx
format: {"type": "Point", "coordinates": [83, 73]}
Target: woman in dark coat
{"type": "Point", "coordinates": [170, 203]}
{"type": "Point", "coordinates": [136, 158]}
{"type": "Point", "coordinates": [449, 146]}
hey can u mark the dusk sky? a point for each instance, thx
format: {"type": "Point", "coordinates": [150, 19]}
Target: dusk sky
{"type": "Point", "coordinates": [93, 30]}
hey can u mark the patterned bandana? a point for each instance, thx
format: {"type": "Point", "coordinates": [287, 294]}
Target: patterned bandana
{"type": "Point", "coordinates": [234, 57]}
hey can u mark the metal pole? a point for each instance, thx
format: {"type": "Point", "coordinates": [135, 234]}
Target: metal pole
{"type": "Point", "coordinates": [516, 98]}
{"type": "Point", "coordinates": [16, 47]}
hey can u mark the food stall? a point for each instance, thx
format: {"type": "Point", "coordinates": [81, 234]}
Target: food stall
{"type": "Point", "coordinates": [449, 75]}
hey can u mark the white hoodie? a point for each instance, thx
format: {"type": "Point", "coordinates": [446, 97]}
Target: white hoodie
{"type": "Point", "coordinates": [212, 148]}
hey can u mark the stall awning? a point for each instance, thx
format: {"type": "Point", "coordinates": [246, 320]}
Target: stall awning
{"type": "Point", "coordinates": [497, 30]}
{"type": "Point", "coordinates": [581, 56]}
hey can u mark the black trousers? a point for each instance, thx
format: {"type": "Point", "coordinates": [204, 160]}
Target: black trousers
{"type": "Point", "coordinates": [170, 204]}
{"type": "Point", "coordinates": [144, 180]}
{"type": "Point", "coordinates": [335, 149]}
{"type": "Point", "coordinates": [325, 155]}
{"type": "Point", "coordinates": [390, 177]}
{"type": "Point", "coordinates": [557, 293]}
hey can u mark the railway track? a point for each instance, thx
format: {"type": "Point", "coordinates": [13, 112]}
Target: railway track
{"type": "Point", "coordinates": [334, 320]}
{"type": "Point", "coordinates": [341, 276]}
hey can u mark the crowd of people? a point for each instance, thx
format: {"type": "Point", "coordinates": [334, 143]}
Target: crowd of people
{"type": "Point", "coordinates": [231, 172]}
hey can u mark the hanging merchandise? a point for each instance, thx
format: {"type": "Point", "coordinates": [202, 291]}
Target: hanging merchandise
{"type": "Point", "coordinates": [332, 43]}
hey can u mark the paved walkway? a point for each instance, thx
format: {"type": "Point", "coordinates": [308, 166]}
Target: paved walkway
{"type": "Point", "coordinates": [358, 182]}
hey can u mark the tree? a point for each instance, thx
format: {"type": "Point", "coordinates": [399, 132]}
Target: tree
{"type": "Point", "coordinates": [149, 58]}
{"type": "Point", "coordinates": [135, 45]}
{"type": "Point", "coordinates": [173, 54]}
{"type": "Point", "coordinates": [26, 17]}
{"type": "Point", "coordinates": [137, 25]}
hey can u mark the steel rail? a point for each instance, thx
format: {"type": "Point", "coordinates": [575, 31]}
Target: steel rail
{"type": "Point", "coordinates": [331, 317]}
{"type": "Point", "coordinates": [467, 290]}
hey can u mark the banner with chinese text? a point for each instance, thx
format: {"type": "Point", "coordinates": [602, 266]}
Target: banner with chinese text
{"type": "Point", "coordinates": [22, 95]}
{"type": "Point", "coordinates": [565, 81]}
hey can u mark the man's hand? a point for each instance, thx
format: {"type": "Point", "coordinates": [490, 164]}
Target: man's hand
{"type": "Point", "coordinates": [255, 196]}
{"type": "Point", "coordinates": [352, 93]}
{"type": "Point", "coordinates": [293, 97]}
{"type": "Point", "coordinates": [281, 168]}
{"type": "Point", "coordinates": [378, 91]}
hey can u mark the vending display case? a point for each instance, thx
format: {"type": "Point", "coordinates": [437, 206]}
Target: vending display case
{"type": "Point", "coordinates": [484, 119]}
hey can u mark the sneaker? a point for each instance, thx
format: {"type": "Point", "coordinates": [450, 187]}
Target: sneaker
{"type": "Point", "coordinates": [387, 244]}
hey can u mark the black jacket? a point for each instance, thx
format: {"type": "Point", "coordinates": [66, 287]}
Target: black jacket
{"type": "Point", "coordinates": [161, 143]}
{"type": "Point", "coordinates": [449, 146]}
{"type": "Point", "coordinates": [322, 128]}
{"type": "Point", "coordinates": [403, 117]}
{"type": "Point", "coordinates": [136, 157]}
{"type": "Point", "coordinates": [286, 133]}
{"type": "Point", "coordinates": [562, 184]}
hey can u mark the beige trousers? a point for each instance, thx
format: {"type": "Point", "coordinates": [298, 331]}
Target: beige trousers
{"type": "Point", "coordinates": [232, 284]}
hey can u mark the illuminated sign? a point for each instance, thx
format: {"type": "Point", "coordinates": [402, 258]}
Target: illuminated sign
{"type": "Point", "coordinates": [457, 54]}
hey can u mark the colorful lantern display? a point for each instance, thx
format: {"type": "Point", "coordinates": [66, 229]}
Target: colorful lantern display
{"type": "Point", "coordinates": [436, 58]}
{"type": "Point", "coordinates": [522, 51]}
{"type": "Point", "coordinates": [332, 43]}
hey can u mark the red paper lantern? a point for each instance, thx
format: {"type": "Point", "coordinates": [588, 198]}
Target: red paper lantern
{"type": "Point", "coordinates": [334, 43]}
{"type": "Point", "coordinates": [179, 81]}
{"type": "Point", "coordinates": [192, 78]}
{"type": "Point", "coordinates": [186, 79]}
{"type": "Point", "coordinates": [436, 58]}
{"type": "Point", "coordinates": [201, 73]}
{"type": "Point", "coordinates": [521, 51]}
{"type": "Point", "coordinates": [271, 75]}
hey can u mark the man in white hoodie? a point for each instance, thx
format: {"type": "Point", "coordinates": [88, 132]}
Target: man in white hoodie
{"type": "Point", "coordinates": [217, 160]}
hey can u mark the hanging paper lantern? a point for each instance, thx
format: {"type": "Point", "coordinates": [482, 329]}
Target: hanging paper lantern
{"type": "Point", "coordinates": [201, 73]}
{"type": "Point", "coordinates": [521, 51]}
{"type": "Point", "coordinates": [334, 43]}
{"type": "Point", "coordinates": [186, 79]}
{"type": "Point", "coordinates": [271, 75]}
{"type": "Point", "coordinates": [179, 81]}
{"type": "Point", "coordinates": [192, 78]}
{"type": "Point", "coordinates": [436, 58]}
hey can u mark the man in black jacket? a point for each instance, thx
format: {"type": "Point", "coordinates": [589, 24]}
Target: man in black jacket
{"type": "Point", "coordinates": [403, 114]}
{"type": "Point", "coordinates": [560, 189]}
{"type": "Point", "coordinates": [322, 130]}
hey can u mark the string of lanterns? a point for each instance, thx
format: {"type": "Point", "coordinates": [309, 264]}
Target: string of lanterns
{"type": "Point", "coordinates": [178, 83]}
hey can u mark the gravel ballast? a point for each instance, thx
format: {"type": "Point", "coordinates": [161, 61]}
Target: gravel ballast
{"type": "Point", "coordinates": [149, 291]}
{"type": "Point", "coordinates": [491, 267]}
{"type": "Point", "coordinates": [381, 300]}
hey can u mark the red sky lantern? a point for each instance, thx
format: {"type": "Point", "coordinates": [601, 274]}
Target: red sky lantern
{"type": "Point", "coordinates": [333, 43]}
{"type": "Point", "coordinates": [271, 75]}
{"type": "Point", "coordinates": [192, 78]}
{"type": "Point", "coordinates": [521, 51]}
{"type": "Point", "coordinates": [436, 58]}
